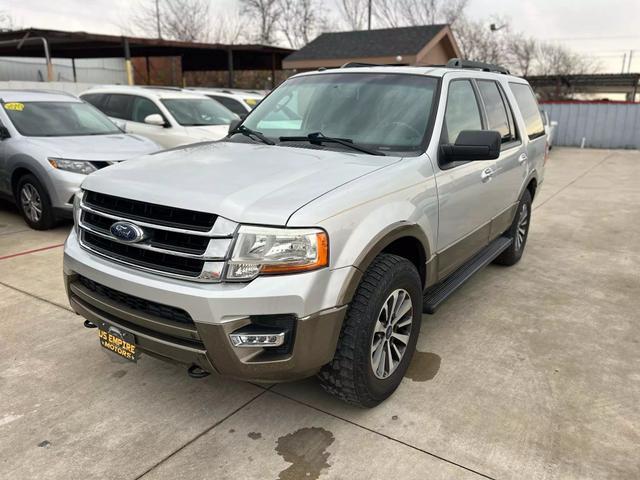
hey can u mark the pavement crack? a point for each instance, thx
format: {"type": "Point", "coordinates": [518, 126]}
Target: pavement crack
{"type": "Point", "coordinates": [579, 177]}
{"type": "Point", "coordinates": [451, 462]}
{"type": "Point", "coordinates": [24, 292]}
{"type": "Point", "coordinates": [201, 434]}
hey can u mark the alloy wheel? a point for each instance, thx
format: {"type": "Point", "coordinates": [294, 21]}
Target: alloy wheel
{"type": "Point", "coordinates": [523, 225]}
{"type": "Point", "coordinates": [391, 333]}
{"type": "Point", "coordinates": [31, 202]}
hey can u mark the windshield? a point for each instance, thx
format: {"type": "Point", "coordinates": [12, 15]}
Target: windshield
{"type": "Point", "coordinates": [191, 112]}
{"type": "Point", "coordinates": [383, 111]}
{"type": "Point", "coordinates": [58, 119]}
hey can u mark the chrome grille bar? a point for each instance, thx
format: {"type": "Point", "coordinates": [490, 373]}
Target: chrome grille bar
{"type": "Point", "coordinates": [161, 260]}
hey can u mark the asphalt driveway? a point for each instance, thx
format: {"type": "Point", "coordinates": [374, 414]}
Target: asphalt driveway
{"type": "Point", "coordinates": [529, 372]}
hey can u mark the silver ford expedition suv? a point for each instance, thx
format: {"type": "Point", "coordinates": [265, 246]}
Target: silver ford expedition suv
{"type": "Point", "coordinates": [312, 239]}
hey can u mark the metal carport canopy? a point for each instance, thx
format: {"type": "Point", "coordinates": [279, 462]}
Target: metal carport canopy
{"type": "Point", "coordinates": [194, 56]}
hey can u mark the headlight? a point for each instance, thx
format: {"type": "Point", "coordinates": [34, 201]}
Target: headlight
{"type": "Point", "coordinates": [77, 166]}
{"type": "Point", "coordinates": [261, 250]}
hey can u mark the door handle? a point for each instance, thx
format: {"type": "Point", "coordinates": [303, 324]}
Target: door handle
{"type": "Point", "coordinates": [486, 174]}
{"type": "Point", "coordinates": [522, 157]}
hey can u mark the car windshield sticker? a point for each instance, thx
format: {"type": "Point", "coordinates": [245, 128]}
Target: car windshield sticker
{"type": "Point", "coordinates": [14, 106]}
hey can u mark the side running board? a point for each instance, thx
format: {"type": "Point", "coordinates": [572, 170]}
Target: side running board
{"type": "Point", "coordinates": [437, 294]}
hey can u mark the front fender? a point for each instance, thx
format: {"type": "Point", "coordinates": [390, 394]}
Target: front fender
{"type": "Point", "coordinates": [365, 216]}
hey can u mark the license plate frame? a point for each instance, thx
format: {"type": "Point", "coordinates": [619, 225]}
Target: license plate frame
{"type": "Point", "coordinates": [118, 341]}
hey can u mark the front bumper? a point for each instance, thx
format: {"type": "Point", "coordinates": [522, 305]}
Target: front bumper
{"type": "Point", "coordinates": [217, 310]}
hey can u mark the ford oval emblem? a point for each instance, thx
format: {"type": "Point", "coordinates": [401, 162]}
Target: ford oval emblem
{"type": "Point", "coordinates": [127, 232]}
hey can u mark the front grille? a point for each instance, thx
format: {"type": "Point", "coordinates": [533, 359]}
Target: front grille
{"type": "Point", "coordinates": [144, 258]}
{"type": "Point", "coordinates": [193, 251]}
{"type": "Point", "coordinates": [180, 242]}
{"type": "Point", "coordinates": [166, 312]}
{"type": "Point", "coordinates": [150, 212]}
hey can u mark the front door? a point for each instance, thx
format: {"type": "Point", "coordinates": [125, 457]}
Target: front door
{"type": "Point", "coordinates": [464, 188]}
{"type": "Point", "coordinates": [141, 108]}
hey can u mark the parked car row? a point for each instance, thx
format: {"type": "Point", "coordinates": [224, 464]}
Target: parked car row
{"type": "Point", "coordinates": [49, 141]}
{"type": "Point", "coordinates": [170, 116]}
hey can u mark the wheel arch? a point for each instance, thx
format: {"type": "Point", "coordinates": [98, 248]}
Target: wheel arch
{"type": "Point", "coordinates": [404, 239]}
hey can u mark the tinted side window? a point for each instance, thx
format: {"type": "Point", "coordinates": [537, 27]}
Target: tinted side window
{"type": "Point", "coordinates": [141, 108]}
{"type": "Point", "coordinates": [94, 99]}
{"type": "Point", "coordinates": [462, 111]}
{"type": "Point", "coordinates": [497, 118]}
{"type": "Point", "coordinates": [117, 106]}
{"type": "Point", "coordinates": [529, 109]}
{"type": "Point", "coordinates": [231, 104]}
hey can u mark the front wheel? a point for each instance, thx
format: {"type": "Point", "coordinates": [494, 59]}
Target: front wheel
{"type": "Point", "coordinates": [33, 203]}
{"type": "Point", "coordinates": [379, 334]}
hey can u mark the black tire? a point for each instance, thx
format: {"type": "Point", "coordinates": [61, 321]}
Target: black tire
{"type": "Point", "coordinates": [350, 376]}
{"type": "Point", "coordinates": [46, 219]}
{"type": "Point", "coordinates": [513, 254]}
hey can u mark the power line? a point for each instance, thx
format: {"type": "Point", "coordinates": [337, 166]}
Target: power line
{"type": "Point", "coordinates": [598, 37]}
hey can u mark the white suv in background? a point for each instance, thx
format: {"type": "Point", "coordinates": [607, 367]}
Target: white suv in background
{"type": "Point", "coordinates": [168, 116]}
{"type": "Point", "coordinates": [240, 102]}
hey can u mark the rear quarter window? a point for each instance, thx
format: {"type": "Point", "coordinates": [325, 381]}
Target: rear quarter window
{"type": "Point", "coordinates": [529, 108]}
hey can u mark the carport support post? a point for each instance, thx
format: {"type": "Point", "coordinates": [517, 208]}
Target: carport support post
{"type": "Point", "coordinates": [230, 66]}
{"type": "Point", "coordinates": [273, 70]}
{"type": "Point", "coordinates": [73, 68]}
{"type": "Point", "coordinates": [127, 62]}
{"type": "Point", "coordinates": [148, 70]}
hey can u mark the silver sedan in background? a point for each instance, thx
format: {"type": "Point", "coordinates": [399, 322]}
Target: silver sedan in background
{"type": "Point", "coordinates": [49, 142]}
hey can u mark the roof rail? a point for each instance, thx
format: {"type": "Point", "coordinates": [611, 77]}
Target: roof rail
{"type": "Point", "coordinates": [43, 90]}
{"type": "Point", "coordinates": [160, 87]}
{"type": "Point", "coordinates": [361, 64]}
{"type": "Point", "coordinates": [485, 67]}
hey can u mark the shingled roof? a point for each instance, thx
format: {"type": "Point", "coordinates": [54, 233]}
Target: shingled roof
{"type": "Point", "coordinates": [368, 43]}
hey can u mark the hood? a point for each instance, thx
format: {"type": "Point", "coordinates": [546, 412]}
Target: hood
{"type": "Point", "coordinates": [247, 183]}
{"type": "Point", "coordinates": [118, 146]}
{"type": "Point", "coordinates": [209, 132]}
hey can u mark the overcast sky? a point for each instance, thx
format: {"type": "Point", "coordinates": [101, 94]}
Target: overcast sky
{"type": "Point", "coordinates": [602, 29]}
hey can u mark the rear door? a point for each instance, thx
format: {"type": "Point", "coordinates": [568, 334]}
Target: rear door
{"type": "Point", "coordinates": [464, 188]}
{"type": "Point", "coordinates": [511, 167]}
{"type": "Point", "coordinates": [531, 125]}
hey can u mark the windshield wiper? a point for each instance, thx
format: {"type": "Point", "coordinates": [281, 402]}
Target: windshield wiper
{"type": "Point", "coordinates": [318, 138]}
{"type": "Point", "coordinates": [251, 134]}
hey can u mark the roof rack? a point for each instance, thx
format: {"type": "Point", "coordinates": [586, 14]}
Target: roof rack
{"type": "Point", "coordinates": [485, 67]}
{"type": "Point", "coordinates": [160, 87]}
{"type": "Point", "coordinates": [42, 90]}
{"type": "Point", "coordinates": [361, 64]}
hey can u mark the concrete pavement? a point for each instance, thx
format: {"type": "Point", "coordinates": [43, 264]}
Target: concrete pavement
{"type": "Point", "coordinates": [527, 372]}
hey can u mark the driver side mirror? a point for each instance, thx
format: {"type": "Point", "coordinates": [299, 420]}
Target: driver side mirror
{"type": "Point", "coordinates": [473, 145]}
{"type": "Point", "coordinates": [4, 132]}
{"type": "Point", "coordinates": [155, 119]}
{"type": "Point", "coordinates": [234, 124]}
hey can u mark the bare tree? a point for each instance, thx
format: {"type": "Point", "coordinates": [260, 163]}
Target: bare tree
{"type": "Point", "coordinates": [187, 20]}
{"type": "Point", "coordinates": [229, 28]}
{"type": "Point", "coordinates": [554, 59]}
{"type": "Point", "coordinates": [354, 13]}
{"type": "Point", "coordinates": [7, 23]}
{"type": "Point", "coordinates": [521, 53]}
{"type": "Point", "coordinates": [400, 13]}
{"type": "Point", "coordinates": [267, 14]}
{"type": "Point", "coordinates": [299, 21]}
{"type": "Point", "coordinates": [477, 42]}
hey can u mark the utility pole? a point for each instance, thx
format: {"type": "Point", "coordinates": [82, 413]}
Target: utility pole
{"type": "Point", "coordinates": [158, 18]}
{"type": "Point", "coordinates": [369, 23]}
{"type": "Point", "coordinates": [624, 62]}
{"type": "Point", "coordinates": [630, 58]}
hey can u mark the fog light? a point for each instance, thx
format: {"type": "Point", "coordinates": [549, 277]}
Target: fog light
{"type": "Point", "coordinates": [257, 339]}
